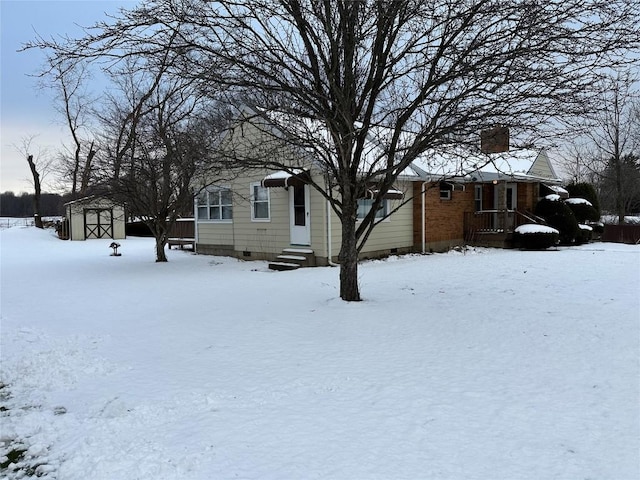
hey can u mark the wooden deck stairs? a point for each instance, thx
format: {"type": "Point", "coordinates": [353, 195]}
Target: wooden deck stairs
{"type": "Point", "coordinates": [294, 258]}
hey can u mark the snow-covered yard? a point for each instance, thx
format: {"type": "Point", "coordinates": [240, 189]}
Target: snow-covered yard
{"type": "Point", "coordinates": [487, 365]}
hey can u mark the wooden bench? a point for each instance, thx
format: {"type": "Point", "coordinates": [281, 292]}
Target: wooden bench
{"type": "Point", "coordinates": [182, 242]}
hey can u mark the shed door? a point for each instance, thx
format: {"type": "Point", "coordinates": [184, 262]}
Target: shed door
{"type": "Point", "coordinates": [98, 223]}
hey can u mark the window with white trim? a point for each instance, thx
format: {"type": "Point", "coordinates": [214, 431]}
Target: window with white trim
{"type": "Point", "coordinates": [260, 203]}
{"type": "Point", "coordinates": [215, 204]}
{"type": "Point", "coordinates": [365, 204]}
{"type": "Point", "coordinates": [478, 198]}
{"type": "Point", "coordinates": [445, 191]}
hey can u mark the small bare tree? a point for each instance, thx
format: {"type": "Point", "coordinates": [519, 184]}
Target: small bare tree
{"type": "Point", "coordinates": [38, 191]}
{"type": "Point", "coordinates": [156, 141]}
{"type": "Point", "coordinates": [40, 165]}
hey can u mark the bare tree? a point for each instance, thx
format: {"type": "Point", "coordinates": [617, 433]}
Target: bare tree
{"type": "Point", "coordinates": [156, 131]}
{"type": "Point", "coordinates": [40, 166]}
{"type": "Point", "coordinates": [606, 152]}
{"type": "Point", "coordinates": [614, 136]}
{"type": "Point", "coordinates": [156, 141]}
{"type": "Point", "coordinates": [38, 191]}
{"type": "Point", "coordinates": [69, 79]}
{"type": "Point", "coordinates": [409, 76]}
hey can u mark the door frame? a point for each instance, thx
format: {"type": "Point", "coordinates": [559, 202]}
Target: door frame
{"type": "Point", "coordinates": [299, 234]}
{"type": "Point", "coordinates": [98, 229]}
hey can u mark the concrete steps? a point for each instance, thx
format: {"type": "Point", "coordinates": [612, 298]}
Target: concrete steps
{"type": "Point", "coordinates": [293, 258]}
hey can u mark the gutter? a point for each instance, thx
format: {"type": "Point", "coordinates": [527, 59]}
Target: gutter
{"type": "Point", "coordinates": [328, 229]}
{"type": "Point", "coordinates": [423, 201]}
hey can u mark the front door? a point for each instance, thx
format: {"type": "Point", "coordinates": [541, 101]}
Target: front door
{"type": "Point", "coordinates": [506, 196]}
{"type": "Point", "coordinates": [505, 202]}
{"type": "Point", "coordinates": [299, 215]}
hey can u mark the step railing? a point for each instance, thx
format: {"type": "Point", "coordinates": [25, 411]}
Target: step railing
{"type": "Point", "coordinates": [496, 221]}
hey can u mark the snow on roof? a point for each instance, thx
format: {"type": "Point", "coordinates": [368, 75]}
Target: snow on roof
{"type": "Point", "coordinates": [282, 174]}
{"type": "Point", "coordinates": [578, 201]}
{"type": "Point", "coordinates": [535, 228]}
{"type": "Point", "coordinates": [512, 162]}
{"type": "Point", "coordinates": [447, 161]}
{"type": "Point", "coordinates": [585, 227]}
{"type": "Point", "coordinates": [455, 161]}
{"type": "Point", "coordinates": [554, 197]}
{"type": "Point", "coordinates": [558, 189]}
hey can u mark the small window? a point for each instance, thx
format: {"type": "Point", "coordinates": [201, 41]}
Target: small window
{"type": "Point", "coordinates": [478, 198]}
{"type": "Point", "coordinates": [511, 204]}
{"type": "Point", "coordinates": [260, 209]}
{"type": "Point", "coordinates": [365, 204]}
{"type": "Point", "coordinates": [445, 191]}
{"type": "Point", "coordinates": [215, 204]}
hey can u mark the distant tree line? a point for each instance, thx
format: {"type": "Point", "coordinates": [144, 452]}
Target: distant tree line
{"type": "Point", "coordinates": [12, 205]}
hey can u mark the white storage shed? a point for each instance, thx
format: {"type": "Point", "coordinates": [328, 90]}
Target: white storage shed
{"type": "Point", "coordinates": [95, 217]}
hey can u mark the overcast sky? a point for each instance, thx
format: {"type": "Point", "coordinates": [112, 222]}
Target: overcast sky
{"type": "Point", "coordinates": [25, 109]}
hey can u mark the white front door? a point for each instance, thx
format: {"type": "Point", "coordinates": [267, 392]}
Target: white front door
{"type": "Point", "coordinates": [299, 215]}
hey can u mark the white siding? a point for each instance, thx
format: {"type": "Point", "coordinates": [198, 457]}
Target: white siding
{"type": "Point", "coordinates": [267, 239]}
{"type": "Point", "coordinates": [391, 233]}
{"type": "Point", "coordinates": [260, 236]}
{"type": "Point", "coordinates": [542, 167]}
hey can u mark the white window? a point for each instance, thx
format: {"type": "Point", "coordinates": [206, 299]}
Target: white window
{"type": "Point", "coordinates": [511, 196]}
{"type": "Point", "coordinates": [445, 191]}
{"type": "Point", "coordinates": [260, 206]}
{"type": "Point", "coordinates": [215, 203]}
{"type": "Point", "coordinates": [478, 198]}
{"type": "Point", "coordinates": [365, 204]}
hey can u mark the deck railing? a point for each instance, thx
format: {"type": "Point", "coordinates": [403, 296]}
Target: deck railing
{"type": "Point", "coordinates": [496, 221]}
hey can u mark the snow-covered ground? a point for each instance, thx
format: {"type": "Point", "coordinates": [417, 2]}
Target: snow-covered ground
{"type": "Point", "coordinates": [487, 365]}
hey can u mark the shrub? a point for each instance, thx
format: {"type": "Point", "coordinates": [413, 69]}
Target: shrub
{"type": "Point", "coordinates": [583, 210]}
{"type": "Point", "coordinates": [598, 227]}
{"type": "Point", "coordinates": [585, 232]}
{"type": "Point", "coordinates": [559, 216]}
{"type": "Point", "coordinates": [535, 237]}
{"type": "Point", "coordinates": [586, 191]}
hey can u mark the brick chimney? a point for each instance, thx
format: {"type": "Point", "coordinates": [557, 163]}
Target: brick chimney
{"type": "Point", "coordinates": [494, 140]}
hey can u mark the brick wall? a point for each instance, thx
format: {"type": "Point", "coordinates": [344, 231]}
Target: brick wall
{"type": "Point", "coordinates": [444, 219]}
{"type": "Point", "coordinates": [528, 196]}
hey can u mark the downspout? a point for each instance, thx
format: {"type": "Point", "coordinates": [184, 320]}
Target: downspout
{"type": "Point", "coordinates": [195, 224]}
{"type": "Point", "coordinates": [69, 221]}
{"type": "Point", "coordinates": [423, 201]}
{"type": "Point", "coordinates": [328, 229]}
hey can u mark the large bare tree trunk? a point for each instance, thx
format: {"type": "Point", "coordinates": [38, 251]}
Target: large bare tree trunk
{"type": "Point", "coordinates": [38, 191]}
{"type": "Point", "coordinates": [161, 255]}
{"type": "Point", "coordinates": [348, 257]}
{"type": "Point", "coordinates": [160, 229]}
